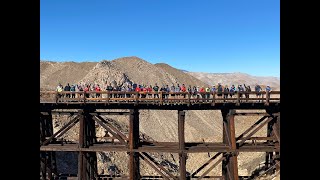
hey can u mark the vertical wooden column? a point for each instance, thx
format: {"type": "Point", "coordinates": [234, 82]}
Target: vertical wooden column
{"type": "Point", "coordinates": [134, 169]}
{"type": "Point", "coordinates": [81, 158]}
{"type": "Point", "coordinates": [91, 157]}
{"type": "Point", "coordinates": [268, 157]}
{"type": "Point", "coordinates": [47, 159]}
{"type": "Point", "coordinates": [43, 166]}
{"type": "Point", "coordinates": [230, 163]}
{"type": "Point", "coordinates": [182, 154]}
{"type": "Point", "coordinates": [87, 161]}
{"type": "Point", "coordinates": [277, 159]}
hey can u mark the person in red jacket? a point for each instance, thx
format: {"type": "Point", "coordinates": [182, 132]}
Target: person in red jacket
{"type": "Point", "coordinates": [98, 89]}
{"type": "Point", "coordinates": [202, 92]}
{"type": "Point", "coordinates": [144, 90]}
{"type": "Point", "coordinates": [138, 89]}
{"type": "Point", "coordinates": [183, 89]}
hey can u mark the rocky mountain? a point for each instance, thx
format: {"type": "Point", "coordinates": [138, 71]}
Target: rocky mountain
{"type": "Point", "coordinates": [53, 73]}
{"type": "Point", "coordinates": [236, 78]}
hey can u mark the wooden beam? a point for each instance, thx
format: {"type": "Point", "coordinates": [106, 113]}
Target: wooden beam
{"type": "Point", "coordinates": [182, 154]}
{"type": "Point", "coordinates": [61, 131]}
{"type": "Point", "coordinates": [113, 128]}
{"type": "Point", "coordinates": [134, 169]}
{"type": "Point", "coordinates": [254, 131]}
{"type": "Point", "coordinates": [213, 166]}
{"type": "Point", "coordinates": [109, 130]}
{"type": "Point", "coordinates": [205, 164]}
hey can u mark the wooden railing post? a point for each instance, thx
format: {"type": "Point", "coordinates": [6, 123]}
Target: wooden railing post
{"type": "Point", "coordinates": [84, 97]}
{"type": "Point", "coordinates": [238, 99]}
{"type": "Point", "coordinates": [213, 99]}
{"type": "Point", "coordinates": [56, 96]}
{"type": "Point", "coordinates": [161, 100]}
{"type": "Point", "coordinates": [267, 98]}
{"type": "Point", "coordinates": [136, 98]}
{"type": "Point", "coordinates": [108, 97]}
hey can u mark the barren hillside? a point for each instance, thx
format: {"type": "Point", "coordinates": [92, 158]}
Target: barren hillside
{"type": "Point", "coordinates": [53, 73]}
{"type": "Point", "coordinates": [236, 78]}
{"type": "Point", "coordinates": [180, 76]}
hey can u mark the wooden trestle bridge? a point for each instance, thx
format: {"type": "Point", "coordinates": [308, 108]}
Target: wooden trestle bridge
{"type": "Point", "coordinates": [85, 108]}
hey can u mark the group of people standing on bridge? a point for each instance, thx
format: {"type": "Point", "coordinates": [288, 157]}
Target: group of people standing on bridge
{"type": "Point", "coordinates": [153, 91]}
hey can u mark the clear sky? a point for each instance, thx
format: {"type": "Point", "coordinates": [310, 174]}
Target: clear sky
{"type": "Point", "coordinates": [197, 35]}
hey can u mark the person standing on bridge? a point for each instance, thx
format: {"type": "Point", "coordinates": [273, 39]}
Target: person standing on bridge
{"type": "Point", "coordinates": [67, 89]}
{"type": "Point", "coordinates": [248, 90]}
{"type": "Point", "coordinates": [232, 90]}
{"type": "Point", "coordinates": [183, 89]}
{"type": "Point", "coordinates": [220, 89]}
{"type": "Point", "coordinates": [156, 89]}
{"type": "Point", "coordinates": [194, 92]}
{"type": "Point", "coordinates": [149, 90]}
{"type": "Point", "coordinates": [178, 90]}
{"type": "Point", "coordinates": [73, 89]}
{"type": "Point", "coordinates": [173, 89]}
{"type": "Point", "coordinates": [59, 89]}
{"type": "Point", "coordinates": [167, 89]}
{"type": "Point", "coordinates": [257, 89]}
{"type": "Point", "coordinates": [225, 93]}
{"type": "Point", "coordinates": [207, 93]}
{"type": "Point", "coordinates": [268, 89]}
{"type": "Point", "coordinates": [98, 89]}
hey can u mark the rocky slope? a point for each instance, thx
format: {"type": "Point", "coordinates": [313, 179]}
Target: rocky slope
{"type": "Point", "coordinates": [236, 78]}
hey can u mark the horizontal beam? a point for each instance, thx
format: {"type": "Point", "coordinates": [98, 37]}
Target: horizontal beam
{"type": "Point", "coordinates": [76, 112]}
{"type": "Point", "coordinates": [118, 177]}
{"type": "Point", "coordinates": [247, 147]}
{"type": "Point", "coordinates": [251, 114]}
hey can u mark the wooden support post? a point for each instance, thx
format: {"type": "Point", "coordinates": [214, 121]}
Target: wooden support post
{"type": "Point", "coordinates": [87, 161]}
{"type": "Point", "coordinates": [81, 159]}
{"type": "Point", "coordinates": [267, 98]}
{"type": "Point", "coordinates": [230, 162]}
{"type": "Point", "coordinates": [134, 169]}
{"type": "Point", "coordinates": [213, 99]}
{"type": "Point", "coordinates": [269, 155]}
{"type": "Point", "coordinates": [48, 161]}
{"type": "Point", "coordinates": [238, 99]}
{"type": "Point", "coordinates": [91, 157]}
{"type": "Point", "coordinates": [43, 166]}
{"type": "Point", "coordinates": [182, 154]}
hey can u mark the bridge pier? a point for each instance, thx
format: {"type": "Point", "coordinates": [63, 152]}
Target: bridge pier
{"type": "Point", "coordinates": [268, 157]}
{"type": "Point", "coordinates": [134, 164]}
{"type": "Point", "coordinates": [87, 161]}
{"type": "Point", "coordinates": [276, 130]}
{"type": "Point", "coordinates": [182, 153]}
{"type": "Point", "coordinates": [230, 162]}
{"type": "Point", "coordinates": [273, 130]}
{"type": "Point", "coordinates": [47, 159]}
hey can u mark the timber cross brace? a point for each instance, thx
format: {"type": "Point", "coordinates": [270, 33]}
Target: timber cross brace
{"type": "Point", "coordinates": [88, 117]}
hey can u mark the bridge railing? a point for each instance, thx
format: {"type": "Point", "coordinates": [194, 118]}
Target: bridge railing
{"type": "Point", "coordinates": [159, 97]}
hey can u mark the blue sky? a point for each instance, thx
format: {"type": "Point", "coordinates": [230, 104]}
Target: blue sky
{"type": "Point", "coordinates": [197, 35]}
